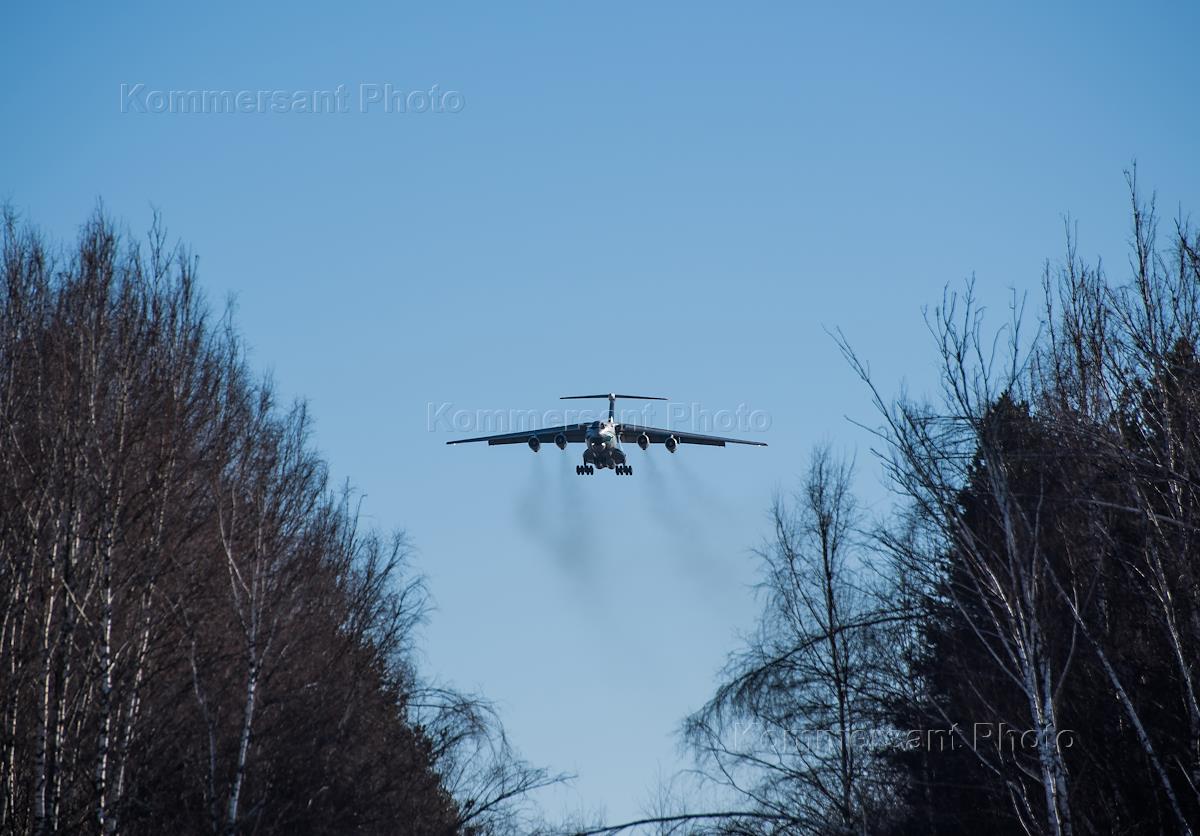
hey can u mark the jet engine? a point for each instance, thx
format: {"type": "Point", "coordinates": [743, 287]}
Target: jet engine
{"type": "Point", "coordinates": [534, 444]}
{"type": "Point", "coordinates": [671, 443]}
{"type": "Point", "coordinates": [561, 441]}
{"type": "Point", "coordinates": [643, 441]}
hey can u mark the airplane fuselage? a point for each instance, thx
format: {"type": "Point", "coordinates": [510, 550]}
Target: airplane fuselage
{"type": "Point", "coordinates": [603, 447]}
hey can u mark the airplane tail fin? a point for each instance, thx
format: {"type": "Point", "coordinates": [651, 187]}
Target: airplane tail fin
{"type": "Point", "coordinates": [612, 400]}
{"type": "Point", "coordinates": [611, 397]}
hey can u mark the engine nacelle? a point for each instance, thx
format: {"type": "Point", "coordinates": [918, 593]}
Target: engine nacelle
{"type": "Point", "coordinates": [643, 441]}
{"type": "Point", "coordinates": [534, 444]}
{"type": "Point", "coordinates": [671, 443]}
{"type": "Point", "coordinates": [561, 441]}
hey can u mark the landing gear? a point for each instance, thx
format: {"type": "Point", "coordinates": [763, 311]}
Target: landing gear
{"type": "Point", "coordinates": [624, 469]}
{"type": "Point", "coordinates": [584, 470]}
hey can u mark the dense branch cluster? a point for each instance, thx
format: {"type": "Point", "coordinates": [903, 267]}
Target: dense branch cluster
{"type": "Point", "coordinates": [1015, 649]}
{"type": "Point", "coordinates": [195, 634]}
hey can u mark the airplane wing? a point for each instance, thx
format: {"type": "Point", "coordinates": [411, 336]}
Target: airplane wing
{"type": "Point", "coordinates": [629, 433]}
{"type": "Point", "coordinates": [574, 434]}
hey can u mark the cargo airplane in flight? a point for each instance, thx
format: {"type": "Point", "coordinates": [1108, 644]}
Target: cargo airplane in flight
{"type": "Point", "coordinates": [603, 439]}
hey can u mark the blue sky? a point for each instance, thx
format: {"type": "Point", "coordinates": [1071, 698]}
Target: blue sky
{"type": "Point", "coordinates": [670, 199]}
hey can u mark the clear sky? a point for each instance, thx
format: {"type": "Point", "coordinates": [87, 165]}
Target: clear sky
{"type": "Point", "coordinates": [664, 198]}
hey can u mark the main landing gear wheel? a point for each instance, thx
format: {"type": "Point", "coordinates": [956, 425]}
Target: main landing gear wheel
{"type": "Point", "coordinates": [584, 470]}
{"type": "Point", "coordinates": [624, 469]}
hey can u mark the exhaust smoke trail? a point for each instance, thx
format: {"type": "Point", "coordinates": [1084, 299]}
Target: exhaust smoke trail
{"type": "Point", "coordinates": [556, 518]}
{"type": "Point", "coordinates": [683, 507]}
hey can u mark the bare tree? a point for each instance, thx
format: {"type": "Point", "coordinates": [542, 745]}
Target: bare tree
{"type": "Point", "coordinates": [791, 730]}
{"type": "Point", "coordinates": [196, 635]}
{"type": "Point", "coordinates": [1046, 544]}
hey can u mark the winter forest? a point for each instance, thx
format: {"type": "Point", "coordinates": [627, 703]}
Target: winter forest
{"type": "Point", "coordinates": [198, 635]}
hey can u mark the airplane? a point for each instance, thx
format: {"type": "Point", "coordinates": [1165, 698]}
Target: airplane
{"type": "Point", "coordinates": [603, 438]}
